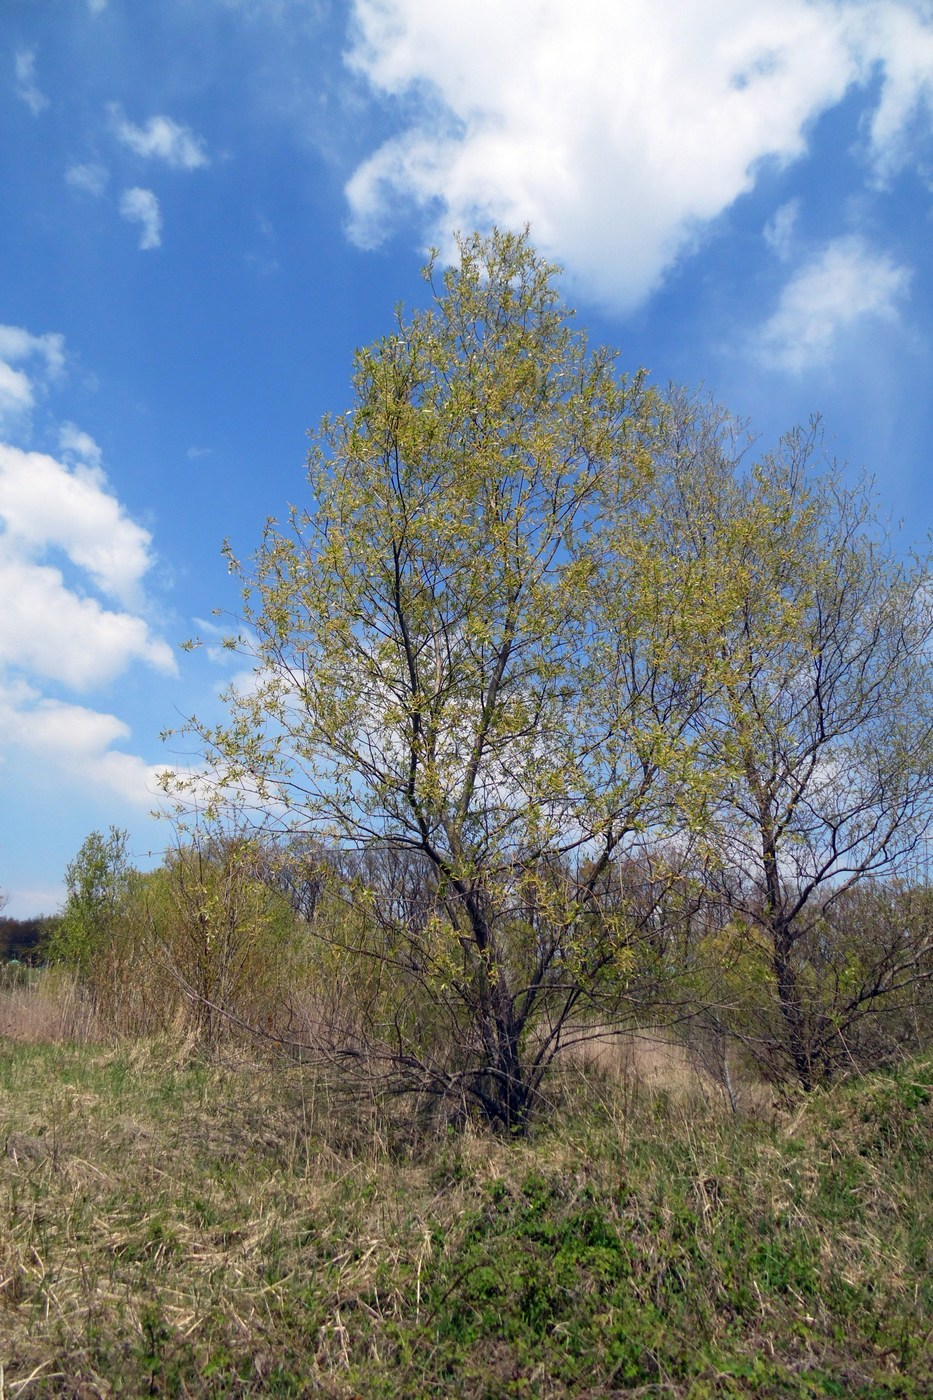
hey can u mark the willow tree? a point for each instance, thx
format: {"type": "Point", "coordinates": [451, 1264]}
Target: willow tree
{"type": "Point", "coordinates": [818, 727]}
{"type": "Point", "coordinates": [463, 678]}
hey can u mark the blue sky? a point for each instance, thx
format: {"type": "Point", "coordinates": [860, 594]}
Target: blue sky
{"type": "Point", "coordinates": [208, 204]}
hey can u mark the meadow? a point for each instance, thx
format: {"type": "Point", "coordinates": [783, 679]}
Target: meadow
{"type": "Point", "coordinates": [181, 1223]}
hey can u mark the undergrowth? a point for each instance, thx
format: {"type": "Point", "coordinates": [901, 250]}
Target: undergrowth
{"type": "Point", "coordinates": [177, 1227]}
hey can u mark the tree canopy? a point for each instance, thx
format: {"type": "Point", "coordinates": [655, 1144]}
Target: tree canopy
{"type": "Point", "coordinates": [539, 622]}
{"type": "Point", "coordinates": [818, 710]}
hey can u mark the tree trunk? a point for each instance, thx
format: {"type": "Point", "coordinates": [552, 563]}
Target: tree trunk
{"type": "Point", "coordinates": [782, 943]}
{"type": "Point", "coordinates": [791, 1009]}
{"type": "Point", "coordinates": [512, 1091]}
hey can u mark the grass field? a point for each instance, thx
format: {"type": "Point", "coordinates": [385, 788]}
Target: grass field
{"type": "Point", "coordinates": [173, 1226]}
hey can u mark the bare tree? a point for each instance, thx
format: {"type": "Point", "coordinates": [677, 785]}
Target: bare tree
{"type": "Point", "coordinates": [814, 643]}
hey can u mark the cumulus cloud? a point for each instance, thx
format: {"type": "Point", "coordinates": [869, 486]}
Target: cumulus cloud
{"type": "Point", "coordinates": [16, 398]}
{"type": "Point", "coordinates": [845, 284]}
{"type": "Point", "coordinates": [59, 635]}
{"type": "Point", "coordinates": [91, 178]}
{"type": "Point", "coordinates": [45, 504]}
{"type": "Point", "coordinates": [141, 207]}
{"type": "Point", "coordinates": [27, 89]}
{"type": "Point", "coordinates": [55, 632]}
{"type": "Point", "coordinates": [161, 139]}
{"type": "Point", "coordinates": [77, 742]}
{"type": "Point", "coordinates": [72, 567]}
{"type": "Point", "coordinates": [18, 344]}
{"type": "Point", "coordinates": [906, 104]}
{"type": "Point", "coordinates": [76, 444]}
{"type": "Point", "coordinates": [17, 387]}
{"type": "Point", "coordinates": [619, 128]}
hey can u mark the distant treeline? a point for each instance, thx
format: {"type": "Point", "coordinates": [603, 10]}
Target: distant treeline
{"type": "Point", "coordinates": [22, 938]}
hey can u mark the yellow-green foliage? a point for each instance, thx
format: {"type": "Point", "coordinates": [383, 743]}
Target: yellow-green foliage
{"type": "Point", "coordinates": [97, 881]}
{"type": "Point", "coordinates": [206, 942]}
{"type": "Point", "coordinates": [223, 934]}
{"type": "Point", "coordinates": [538, 620]}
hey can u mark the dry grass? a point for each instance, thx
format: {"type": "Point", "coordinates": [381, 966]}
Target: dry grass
{"type": "Point", "coordinates": [652, 1063]}
{"type": "Point", "coordinates": [173, 1226]}
{"type": "Point", "coordinates": [45, 1006]}
{"type": "Point", "coordinates": [140, 1175]}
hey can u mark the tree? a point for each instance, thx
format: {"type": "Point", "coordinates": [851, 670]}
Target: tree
{"type": "Point", "coordinates": [547, 676]}
{"type": "Point", "coordinates": [818, 719]}
{"type": "Point", "coordinates": [97, 881]}
{"type": "Point", "coordinates": [21, 938]}
{"type": "Point", "coordinates": [222, 933]}
{"type": "Point", "coordinates": [461, 669]}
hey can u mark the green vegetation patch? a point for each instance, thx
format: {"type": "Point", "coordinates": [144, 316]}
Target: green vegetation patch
{"type": "Point", "coordinates": [209, 1229]}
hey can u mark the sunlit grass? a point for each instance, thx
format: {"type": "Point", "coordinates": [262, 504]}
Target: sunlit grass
{"type": "Point", "coordinates": [176, 1226]}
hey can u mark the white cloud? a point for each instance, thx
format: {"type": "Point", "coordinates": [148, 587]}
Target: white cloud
{"type": "Point", "coordinates": [17, 390]}
{"type": "Point", "coordinates": [58, 635]}
{"type": "Point", "coordinates": [142, 207]}
{"type": "Point", "coordinates": [44, 504]}
{"type": "Point", "coordinates": [74, 443]}
{"type": "Point", "coordinates": [16, 398]}
{"type": "Point", "coordinates": [76, 742]}
{"type": "Point", "coordinates": [619, 128]}
{"type": "Point", "coordinates": [97, 7]}
{"type": "Point", "coordinates": [50, 632]}
{"type": "Point", "coordinates": [50, 629]}
{"type": "Point", "coordinates": [91, 178]}
{"type": "Point", "coordinates": [63, 536]}
{"type": "Point", "coordinates": [845, 284]}
{"type": "Point", "coordinates": [161, 139]}
{"type": "Point", "coordinates": [778, 232]}
{"type": "Point", "coordinates": [18, 344]}
{"type": "Point", "coordinates": [26, 86]}
{"type": "Point", "coordinates": [904, 35]}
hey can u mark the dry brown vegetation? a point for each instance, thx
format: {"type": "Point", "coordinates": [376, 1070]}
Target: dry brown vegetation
{"type": "Point", "coordinates": [227, 1225]}
{"type": "Point", "coordinates": [48, 1005]}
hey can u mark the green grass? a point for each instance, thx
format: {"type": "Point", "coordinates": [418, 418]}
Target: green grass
{"type": "Point", "coordinates": [174, 1227]}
